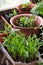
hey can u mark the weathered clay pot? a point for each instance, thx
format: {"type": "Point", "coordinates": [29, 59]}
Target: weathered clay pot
{"type": "Point", "coordinates": [3, 34]}
{"type": "Point", "coordinates": [27, 30]}
{"type": "Point", "coordinates": [32, 63]}
{"type": "Point", "coordinates": [25, 10]}
{"type": "Point", "coordinates": [15, 63]}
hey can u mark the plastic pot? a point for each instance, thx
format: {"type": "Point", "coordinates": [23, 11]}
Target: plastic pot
{"type": "Point", "coordinates": [12, 62]}
{"type": "Point", "coordinates": [25, 10]}
{"type": "Point", "coordinates": [27, 30]}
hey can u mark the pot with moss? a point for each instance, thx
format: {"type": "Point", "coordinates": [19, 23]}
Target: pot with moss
{"type": "Point", "coordinates": [10, 14]}
{"type": "Point", "coordinates": [27, 23]}
{"type": "Point", "coordinates": [4, 25]}
{"type": "Point", "coordinates": [23, 50]}
{"type": "Point", "coordinates": [25, 8]}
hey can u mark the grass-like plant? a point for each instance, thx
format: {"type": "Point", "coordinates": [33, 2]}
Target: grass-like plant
{"type": "Point", "coordinates": [6, 28]}
{"type": "Point", "coordinates": [25, 5]}
{"type": "Point", "coordinates": [21, 48]}
{"type": "Point", "coordinates": [15, 12]}
{"type": "Point", "coordinates": [38, 9]}
{"type": "Point", "coordinates": [25, 21]}
{"type": "Point", "coordinates": [12, 13]}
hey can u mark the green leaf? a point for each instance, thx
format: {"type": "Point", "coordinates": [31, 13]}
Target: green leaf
{"type": "Point", "coordinates": [38, 9]}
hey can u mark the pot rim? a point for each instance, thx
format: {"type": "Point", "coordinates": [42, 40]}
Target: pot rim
{"type": "Point", "coordinates": [28, 15]}
{"type": "Point", "coordinates": [19, 6]}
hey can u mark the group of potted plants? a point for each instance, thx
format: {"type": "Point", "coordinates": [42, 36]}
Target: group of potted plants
{"type": "Point", "coordinates": [24, 45]}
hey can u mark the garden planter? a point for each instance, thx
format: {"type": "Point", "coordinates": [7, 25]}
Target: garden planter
{"type": "Point", "coordinates": [17, 63]}
{"type": "Point", "coordinates": [32, 63]}
{"type": "Point", "coordinates": [7, 15]}
{"type": "Point", "coordinates": [2, 20]}
{"type": "Point", "coordinates": [3, 61]}
{"type": "Point", "coordinates": [18, 43]}
{"type": "Point", "coordinates": [27, 30]}
{"type": "Point", "coordinates": [26, 9]}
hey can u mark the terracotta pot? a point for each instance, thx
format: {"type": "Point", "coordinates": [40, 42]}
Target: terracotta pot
{"type": "Point", "coordinates": [26, 30]}
{"type": "Point", "coordinates": [17, 63]}
{"type": "Point", "coordinates": [12, 62]}
{"type": "Point", "coordinates": [25, 10]}
{"type": "Point", "coordinates": [3, 34]}
{"type": "Point", "coordinates": [3, 61]}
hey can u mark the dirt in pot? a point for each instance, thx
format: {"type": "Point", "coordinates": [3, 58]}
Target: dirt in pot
{"type": "Point", "coordinates": [10, 14]}
{"type": "Point", "coordinates": [24, 21]}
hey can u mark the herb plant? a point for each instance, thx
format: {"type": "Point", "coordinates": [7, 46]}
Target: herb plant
{"type": "Point", "coordinates": [38, 9]}
{"type": "Point", "coordinates": [6, 28]}
{"type": "Point", "coordinates": [22, 48]}
{"type": "Point", "coordinates": [33, 46]}
{"type": "Point", "coordinates": [14, 12]}
{"type": "Point", "coordinates": [25, 21]}
{"type": "Point", "coordinates": [25, 5]}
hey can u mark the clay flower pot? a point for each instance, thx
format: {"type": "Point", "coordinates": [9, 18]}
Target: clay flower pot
{"type": "Point", "coordinates": [25, 10]}
{"type": "Point", "coordinates": [27, 30]}
{"type": "Point", "coordinates": [2, 20]}
{"type": "Point", "coordinates": [12, 62]}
